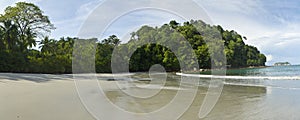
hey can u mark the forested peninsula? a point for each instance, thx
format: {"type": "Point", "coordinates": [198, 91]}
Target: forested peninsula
{"type": "Point", "coordinates": [24, 26]}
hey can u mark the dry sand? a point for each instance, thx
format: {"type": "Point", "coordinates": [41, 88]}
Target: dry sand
{"type": "Point", "coordinates": [40, 97]}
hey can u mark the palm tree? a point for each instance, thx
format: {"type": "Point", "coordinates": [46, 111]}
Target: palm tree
{"type": "Point", "coordinates": [29, 39]}
{"type": "Point", "coordinates": [10, 34]}
{"type": "Point", "coordinates": [46, 45]}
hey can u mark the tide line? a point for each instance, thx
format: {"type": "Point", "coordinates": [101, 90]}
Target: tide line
{"type": "Point", "coordinates": [241, 77]}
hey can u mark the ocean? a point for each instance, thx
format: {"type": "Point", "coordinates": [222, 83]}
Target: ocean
{"type": "Point", "coordinates": [279, 77]}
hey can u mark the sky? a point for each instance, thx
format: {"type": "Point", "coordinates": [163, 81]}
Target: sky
{"type": "Point", "coordinates": [272, 26]}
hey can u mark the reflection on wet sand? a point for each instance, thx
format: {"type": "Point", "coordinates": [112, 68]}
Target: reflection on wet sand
{"type": "Point", "coordinates": [236, 102]}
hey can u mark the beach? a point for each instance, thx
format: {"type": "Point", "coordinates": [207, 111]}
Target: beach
{"type": "Point", "coordinates": [39, 97]}
{"type": "Point", "coordinates": [48, 97]}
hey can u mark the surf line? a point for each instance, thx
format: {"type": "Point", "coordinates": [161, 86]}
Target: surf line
{"type": "Point", "coordinates": [241, 77]}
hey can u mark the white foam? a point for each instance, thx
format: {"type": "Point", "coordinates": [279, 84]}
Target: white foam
{"type": "Point", "coordinates": [246, 85]}
{"type": "Point", "coordinates": [159, 87]}
{"type": "Point", "coordinates": [242, 77]}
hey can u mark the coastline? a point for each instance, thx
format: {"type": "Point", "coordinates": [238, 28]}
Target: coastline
{"type": "Point", "coordinates": [200, 70]}
{"type": "Point", "coordinates": [210, 70]}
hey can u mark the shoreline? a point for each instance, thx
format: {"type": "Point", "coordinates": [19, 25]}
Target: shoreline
{"type": "Point", "coordinates": [241, 68]}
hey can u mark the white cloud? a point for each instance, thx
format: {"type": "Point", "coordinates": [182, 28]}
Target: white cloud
{"type": "Point", "coordinates": [133, 21]}
{"type": "Point", "coordinates": [269, 58]}
{"type": "Point", "coordinates": [70, 26]}
{"type": "Point", "coordinates": [106, 13]}
{"type": "Point", "coordinates": [283, 46]}
{"type": "Point", "coordinates": [249, 7]}
{"type": "Point", "coordinates": [85, 9]}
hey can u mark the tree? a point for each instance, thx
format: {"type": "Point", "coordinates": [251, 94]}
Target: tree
{"type": "Point", "coordinates": [173, 24]}
{"type": "Point", "coordinates": [9, 35]}
{"type": "Point", "coordinates": [112, 40]}
{"type": "Point", "coordinates": [30, 22]}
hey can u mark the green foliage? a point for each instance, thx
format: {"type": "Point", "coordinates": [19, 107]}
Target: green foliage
{"type": "Point", "coordinates": [146, 56]}
{"type": "Point", "coordinates": [103, 57]}
{"type": "Point", "coordinates": [55, 56]}
{"type": "Point", "coordinates": [22, 24]}
{"type": "Point", "coordinates": [205, 40]}
{"type": "Point", "coordinates": [27, 22]}
{"type": "Point", "coordinates": [112, 40]}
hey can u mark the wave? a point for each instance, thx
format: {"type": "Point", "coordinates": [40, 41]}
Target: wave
{"type": "Point", "coordinates": [242, 77]}
{"type": "Point", "coordinates": [266, 86]}
{"type": "Point", "coordinates": [160, 87]}
{"type": "Point", "coordinates": [246, 83]}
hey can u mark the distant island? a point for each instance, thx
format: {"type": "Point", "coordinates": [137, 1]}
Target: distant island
{"type": "Point", "coordinates": [282, 64]}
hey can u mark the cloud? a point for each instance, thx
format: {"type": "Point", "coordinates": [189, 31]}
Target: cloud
{"type": "Point", "coordinates": [137, 13]}
{"type": "Point", "coordinates": [248, 7]}
{"type": "Point", "coordinates": [269, 58]}
{"type": "Point", "coordinates": [88, 7]}
{"type": "Point", "coordinates": [283, 46]}
{"type": "Point", "coordinates": [68, 19]}
{"type": "Point", "coordinates": [137, 19]}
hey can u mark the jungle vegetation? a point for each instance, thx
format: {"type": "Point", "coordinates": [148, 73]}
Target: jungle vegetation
{"type": "Point", "coordinates": [24, 26]}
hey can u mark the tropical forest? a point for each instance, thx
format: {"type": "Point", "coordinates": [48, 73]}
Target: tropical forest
{"type": "Point", "coordinates": [25, 45]}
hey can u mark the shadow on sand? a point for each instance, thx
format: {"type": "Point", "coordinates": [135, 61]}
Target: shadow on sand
{"type": "Point", "coordinates": [38, 78]}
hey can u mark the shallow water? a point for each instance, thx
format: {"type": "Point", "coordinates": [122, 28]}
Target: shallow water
{"type": "Point", "coordinates": [235, 103]}
{"type": "Point", "coordinates": [249, 99]}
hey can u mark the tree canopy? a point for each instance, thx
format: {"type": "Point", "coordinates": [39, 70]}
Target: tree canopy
{"type": "Point", "coordinates": [29, 21]}
{"type": "Point", "coordinates": [23, 25]}
{"type": "Point", "coordinates": [238, 54]}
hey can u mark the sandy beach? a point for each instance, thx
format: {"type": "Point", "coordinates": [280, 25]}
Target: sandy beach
{"type": "Point", "coordinates": [54, 97]}
{"type": "Point", "coordinates": [40, 97]}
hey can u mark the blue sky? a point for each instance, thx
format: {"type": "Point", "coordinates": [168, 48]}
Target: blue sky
{"type": "Point", "coordinates": [272, 26]}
